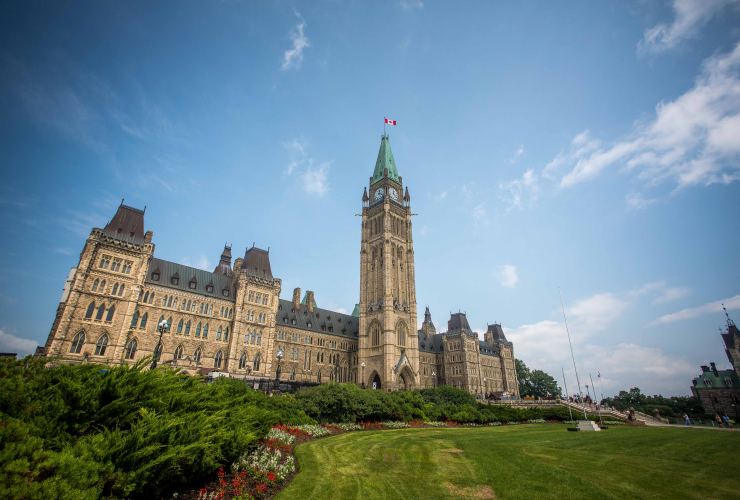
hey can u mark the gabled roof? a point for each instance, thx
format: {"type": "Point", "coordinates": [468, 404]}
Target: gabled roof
{"type": "Point", "coordinates": [343, 325]}
{"type": "Point", "coordinates": [127, 225]}
{"type": "Point", "coordinates": [458, 323]}
{"type": "Point", "coordinates": [385, 160]}
{"type": "Point", "coordinates": [224, 265]}
{"type": "Point", "coordinates": [498, 332]}
{"type": "Point", "coordinates": [167, 270]}
{"type": "Point", "coordinates": [487, 349]}
{"type": "Point", "coordinates": [257, 263]}
{"type": "Point", "coordinates": [716, 380]}
{"type": "Point", "coordinates": [305, 298]}
{"type": "Point", "coordinates": [431, 344]}
{"type": "Point", "coordinates": [356, 311]}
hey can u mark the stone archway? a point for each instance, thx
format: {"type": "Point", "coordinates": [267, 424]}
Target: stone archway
{"type": "Point", "coordinates": [406, 380]}
{"type": "Point", "coordinates": [375, 382]}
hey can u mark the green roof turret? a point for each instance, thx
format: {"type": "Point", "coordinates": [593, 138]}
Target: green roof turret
{"type": "Point", "coordinates": [385, 165]}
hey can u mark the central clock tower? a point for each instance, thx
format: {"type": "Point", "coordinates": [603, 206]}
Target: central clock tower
{"type": "Point", "coordinates": [388, 343]}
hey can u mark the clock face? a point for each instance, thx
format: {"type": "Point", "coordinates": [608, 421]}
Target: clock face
{"type": "Point", "coordinates": [379, 193]}
{"type": "Point", "coordinates": [393, 194]}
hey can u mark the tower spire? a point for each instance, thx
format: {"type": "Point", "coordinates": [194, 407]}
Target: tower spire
{"type": "Point", "coordinates": [385, 165]}
{"type": "Point", "coordinates": [729, 321]}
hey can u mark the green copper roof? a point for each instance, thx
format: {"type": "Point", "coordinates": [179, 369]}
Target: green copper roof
{"type": "Point", "coordinates": [305, 295]}
{"type": "Point", "coordinates": [385, 160]}
{"type": "Point", "coordinates": [356, 312]}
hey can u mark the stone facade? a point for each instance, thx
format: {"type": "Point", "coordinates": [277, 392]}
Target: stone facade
{"type": "Point", "coordinates": [719, 390]}
{"type": "Point", "coordinates": [233, 319]}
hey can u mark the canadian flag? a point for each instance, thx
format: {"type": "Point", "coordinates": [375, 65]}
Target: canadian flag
{"type": "Point", "coordinates": [392, 122]}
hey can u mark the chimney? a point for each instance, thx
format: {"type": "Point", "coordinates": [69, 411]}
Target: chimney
{"type": "Point", "coordinates": [297, 299]}
{"type": "Point", "coordinates": [309, 301]}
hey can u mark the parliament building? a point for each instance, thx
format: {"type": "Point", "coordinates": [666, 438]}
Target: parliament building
{"type": "Point", "coordinates": [234, 321]}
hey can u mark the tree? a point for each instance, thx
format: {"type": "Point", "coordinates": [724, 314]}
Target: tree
{"type": "Point", "coordinates": [535, 382]}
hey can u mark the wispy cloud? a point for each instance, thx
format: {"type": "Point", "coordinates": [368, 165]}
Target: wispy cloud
{"type": "Point", "coordinates": [517, 155]}
{"type": "Point", "coordinates": [694, 312]}
{"type": "Point", "coordinates": [315, 179]}
{"type": "Point", "coordinates": [689, 17]}
{"type": "Point", "coordinates": [314, 175]}
{"type": "Point", "coordinates": [441, 196]}
{"type": "Point", "coordinates": [296, 154]}
{"type": "Point", "coordinates": [18, 345]}
{"type": "Point", "coordinates": [671, 294]}
{"type": "Point", "coordinates": [690, 141]}
{"type": "Point", "coordinates": [506, 273]}
{"type": "Point", "coordinates": [293, 58]}
{"type": "Point", "coordinates": [202, 263]}
{"type": "Point", "coordinates": [519, 193]}
{"type": "Point", "coordinates": [637, 202]}
{"type": "Point", "coordinates": [411, 5]}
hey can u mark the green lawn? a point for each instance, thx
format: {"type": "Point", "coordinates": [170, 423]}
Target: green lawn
{"type": "Point", "coordinates": [520, 462]}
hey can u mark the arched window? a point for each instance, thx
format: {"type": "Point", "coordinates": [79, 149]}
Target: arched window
{"type": "Point", "coordinates": [221, 313]}
{"type": "Point", "coordinates": [101, 345]}
{"type": "Point", "coordinates": [146, 297]}
{"type": "Point", "coordinates": [158, 351]}
{"type": "Point", "coordinates": [135, 319]}
{"type": "Point", "coordinates": [141, 294]}
{"type": "Point", "coordinates": [151, 299]}
{"type": "Point", "coordinates": [707, 382]}
{"type": "Point", "coordinates": [259, 338]}
{"type": "Point", "coordinates": [243, 361]}
{"type": "Point", "coordinates": [131, 349]}
{"type": "Point", "coordinates": [375, 334]}
{"type": "Point", "coordinates": [210, 309]}
{"type": "Point", "coordinates": [174, 303]}
{"type": "Point", "coordinates": [217, 360]}
{"type": "Point", "coordinates": [77, 343]}
{"type": "Point", "coordinates": [226, 334]}
{"type": "Point", "coordinates": [187, 328]}
{"type": "Point", "coordinates": [318, 377]}
{"type": "Point", "coordinates": [169, 302]}
{"type": "Point", "coordinates": [102, 287]}
{"type": "Point", "coordinates": [111, 312]}
{"type": "Point", "coordinates": [95, 285]}
{"type": "Point", "coordinates": [101, 311]}
{"type": "Point", "coordinates": [218, 333]}
{"type": "Point", "coordinates": [143, 320]}
{"type": "Point", "coordinates": [256, 365]}
{"type": "Point", "coordinates": [115, 289]}
{"type": "Point", "coordinates": [230, 310]}
{"type": "Point", "coordinates": [728, 381]}
{"type": "Point", "coordinates": [187, 308]}
{"type": "Point", "coordinates": [178, 353]}
{"type": "Point", "coordinates": [120, 291]}
{"type": "Point", "coordinates": [197, 355]}
{"type": "Point", "coordinates": [205, 331]}
{"type": "Point", "coordinates": [254, 335]}
{"type": "Point", "coordinates": [292, 373]}
{"type": "Point", "coordinates": [197, 330]}
{"type": "Point", "coordinates": [714, 399]}
{"type": "Point", "coordinates": [200, 309]}
{"type": "Point", "coordinates": [169, 323]}
{"type": "Point", "coordinates": [179, 326]}
{"type": "Point", "coordinates": [401, 334]}
{"type": "Point", "coordinates": [90, 310]}
{"type": "Point", "coordinates": [164, 301]}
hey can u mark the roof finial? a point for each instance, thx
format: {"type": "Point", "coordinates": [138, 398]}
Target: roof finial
{"type": "Point", "coordinates": [122, 201]}
{"type": "Point", "coordinates": [729, 321]}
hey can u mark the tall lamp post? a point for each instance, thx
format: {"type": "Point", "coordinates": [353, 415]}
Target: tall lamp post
{"type": "Point", "coordinates": [363, 375]}
{"type": "Point", "coordinates": [161, 327]}
{"type": "Point", "coordinates": [434, 380]}
{"type": "Point", "coordinates": [485, 388]}
{"type": "Point", "coordinates": [277, 371]}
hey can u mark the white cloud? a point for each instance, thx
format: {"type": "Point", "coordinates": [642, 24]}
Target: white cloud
{"type": "Point", "coordinates": [520, 192]}
{"type": "Point", "coordinates": [480, 216]}
{"type": "Point", "coordinates": [202, 263]}
{"type": "Point", "coordinates": [293, 58]}
{"type": "Point", "coordinates": [315, 179]}
{"type": "Point", "coordinates": [690, 17]}
{"type": "Point", "coordinates": [637, 202]}
{"type": "Point", "coordinates": [507, 274]}
{"type": "Point", "coordinates": [21, 346]}
{"type": "Point", "coordinates": [517, 155]}
{"type": "Point", "coordinates": [690, 141]}
{"type": "Point", "coordinates": [695, 312]}
{"type": "Point", "coordinates": [411, 4]}
{"type": "Point", "coordinates": [671, 294]}
{"type": "Point", "coordinates": [296, 154]}
{"type": "Point", "coordinates": [441, 196]}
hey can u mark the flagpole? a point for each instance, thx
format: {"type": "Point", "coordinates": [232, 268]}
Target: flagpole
{"type": "Point", "coordinates": [601, 381]}
{"type": "Point", "coordinates": [583, 405]}
{"type": "Point", "coordinates": [384, 126]}
{"type": "Point", "coordinates": [566, 396]}
{"type": "Point", "coordinates": [594, 388]}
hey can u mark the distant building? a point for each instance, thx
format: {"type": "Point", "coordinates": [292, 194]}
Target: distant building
{"type": "Point", "coordinates": [719, 390]}
{"type": "Point", "coordinates": [234, 321]}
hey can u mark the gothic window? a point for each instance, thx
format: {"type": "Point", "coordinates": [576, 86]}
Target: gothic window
{"type": "Point", "coordinates": [102, 287]}
{"type": "Point", "coordinates": [131, 349]}
{"type": "Point", "coordinates": [115, 289]}
{"type": "Point", "coordinates": [187, 308]}
{"type": "Point", "coordinates": [728, 382]}
{"type": "Point", "coordinates": [169, 302]}
{"type": "Point", "coordinates": [230, 313]}
{"type": "Point", "coordinates": [179, 326]}
{"type": "Point", "coordinates": [178, 353]}
{"type": "Point", "coordinates": [217, 360]}
{"type": "Point", "coordinates": [164, 301]}
{"type": "Point", "coordinates": [292, 373]}
{"type": "Point", "coordinates": [197, 355]}
{"type": "Point", "coordinates": [200, 311]}
{"type": "Point", "coordinates": [111, 312]}
{"type": "Point", "coordinates": [205, 331]}
{"type": "Point", "coordinates": [101, 345]}
{"type": "Point", "coordinates": [264, 300]}
{"type": "Point", "coordinates": [218, 333]}
{"type": "Point", "coordinates": [253, 336]}
{"type": "Point", "coordinates": [120, 291]}
{"type": "Point", "coordinates": [375, 334]}
{"type": "Point", "coordinates": [187, 328]}
{"type": "Point", "coordinates": [151, 298]}
{"type": "Point", "coordinates": [210, 309]}
{"type": "Point", "coordinates": [174, 303]}
{"type": "Point", "coordinates": [221, 313]}
{"type": "Point", "coordinates": [101, 311]}
{"type": "Point", "coordinates": [243, 361]}
{"type": "Point", "coordinates": [135, 319]}
{"type": "Point", "coordinates": [95, 285]}
{"type": "Point", "coordinates": [143, 320]}
{"type": "Point", "coordinates": [318, 377]}
{"type": "Point", "coordinates": [259, 338]}
{"type": "Point", "coordinates": [146, 297]}
{"type": "Point", "coordinates": [256, 362]}
{"type": "Point", "coordinates": [77, 343]}
{"type": "Point", "coordinates": [707, 382]}
{"type": "Point", "coordinates": [90, 310]}
{"type": "Point", "coordinates": [197, 330]}
{"type": "Point", "coordinates": [226, 334]}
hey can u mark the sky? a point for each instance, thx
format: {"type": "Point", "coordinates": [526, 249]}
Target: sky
{"type": "Point", "coordinates": [588, 148]}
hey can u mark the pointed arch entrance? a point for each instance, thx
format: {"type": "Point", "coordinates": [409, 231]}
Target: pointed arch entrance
{"type": "Point", "coordinates": [375, 382]}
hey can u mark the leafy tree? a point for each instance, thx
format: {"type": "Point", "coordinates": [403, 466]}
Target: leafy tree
{"type": "Point", "coordinates": [675, 406]}
{"type": "Point", "coordinates": [523, 375]}
{"type": "Point", "coordinates": [535, 382]}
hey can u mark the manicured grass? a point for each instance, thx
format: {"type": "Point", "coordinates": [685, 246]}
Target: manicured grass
{"type": "Point", "coordinates": [520, 462]}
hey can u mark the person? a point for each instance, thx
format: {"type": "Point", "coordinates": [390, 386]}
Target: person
{"type": "Point", "coordinates": [727, 420]}
{"type": "Point", "coordinates": [732, 423]}
{"type": "Point", "coordinates": [686, 417]}
{"type": "Point", "coordinates": [718, 420]}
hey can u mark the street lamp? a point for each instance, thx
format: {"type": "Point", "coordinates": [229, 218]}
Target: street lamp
{"type": "Point", "coordinates": [485, 388]}
{"type": "Point", "coordinates": [161, 327]}
{"type": "Point", "coordinates": [277, 371]}
{"type": "Point", "coordinates": [363, 375]}
{"type": "Point", "coordinates": [434, 380]}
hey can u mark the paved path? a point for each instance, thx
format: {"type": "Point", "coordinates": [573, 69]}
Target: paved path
{"type": "Point", "coordinates": [709, 427]}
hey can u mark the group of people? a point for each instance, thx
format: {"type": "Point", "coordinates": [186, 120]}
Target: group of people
{"type": "Point", "coordinates": [722, 421]}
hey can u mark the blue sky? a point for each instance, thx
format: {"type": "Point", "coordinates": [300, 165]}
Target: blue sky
{"type": "Point", "coordinates": [591, 146]}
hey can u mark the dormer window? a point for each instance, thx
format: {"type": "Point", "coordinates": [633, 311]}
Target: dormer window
{"type": "Point", "coordinates": [174, 280]}
{"type": "Point", "coordinates": [120, 230]}
{"type": "Point", "coordinates": [309, 324]}
{"type": "Point", "coordinates": [225, 292]}
{"type": "Point", "coordinates": [285, 320]}
{"type": "Point", "coordinates": [293, 321]}
{"type": "Point", "coordinates": [155, 276]}
{"type": "Point", "coordinates": [192, 285]}
{"type": "Point", "coordinates": [209, 289]}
